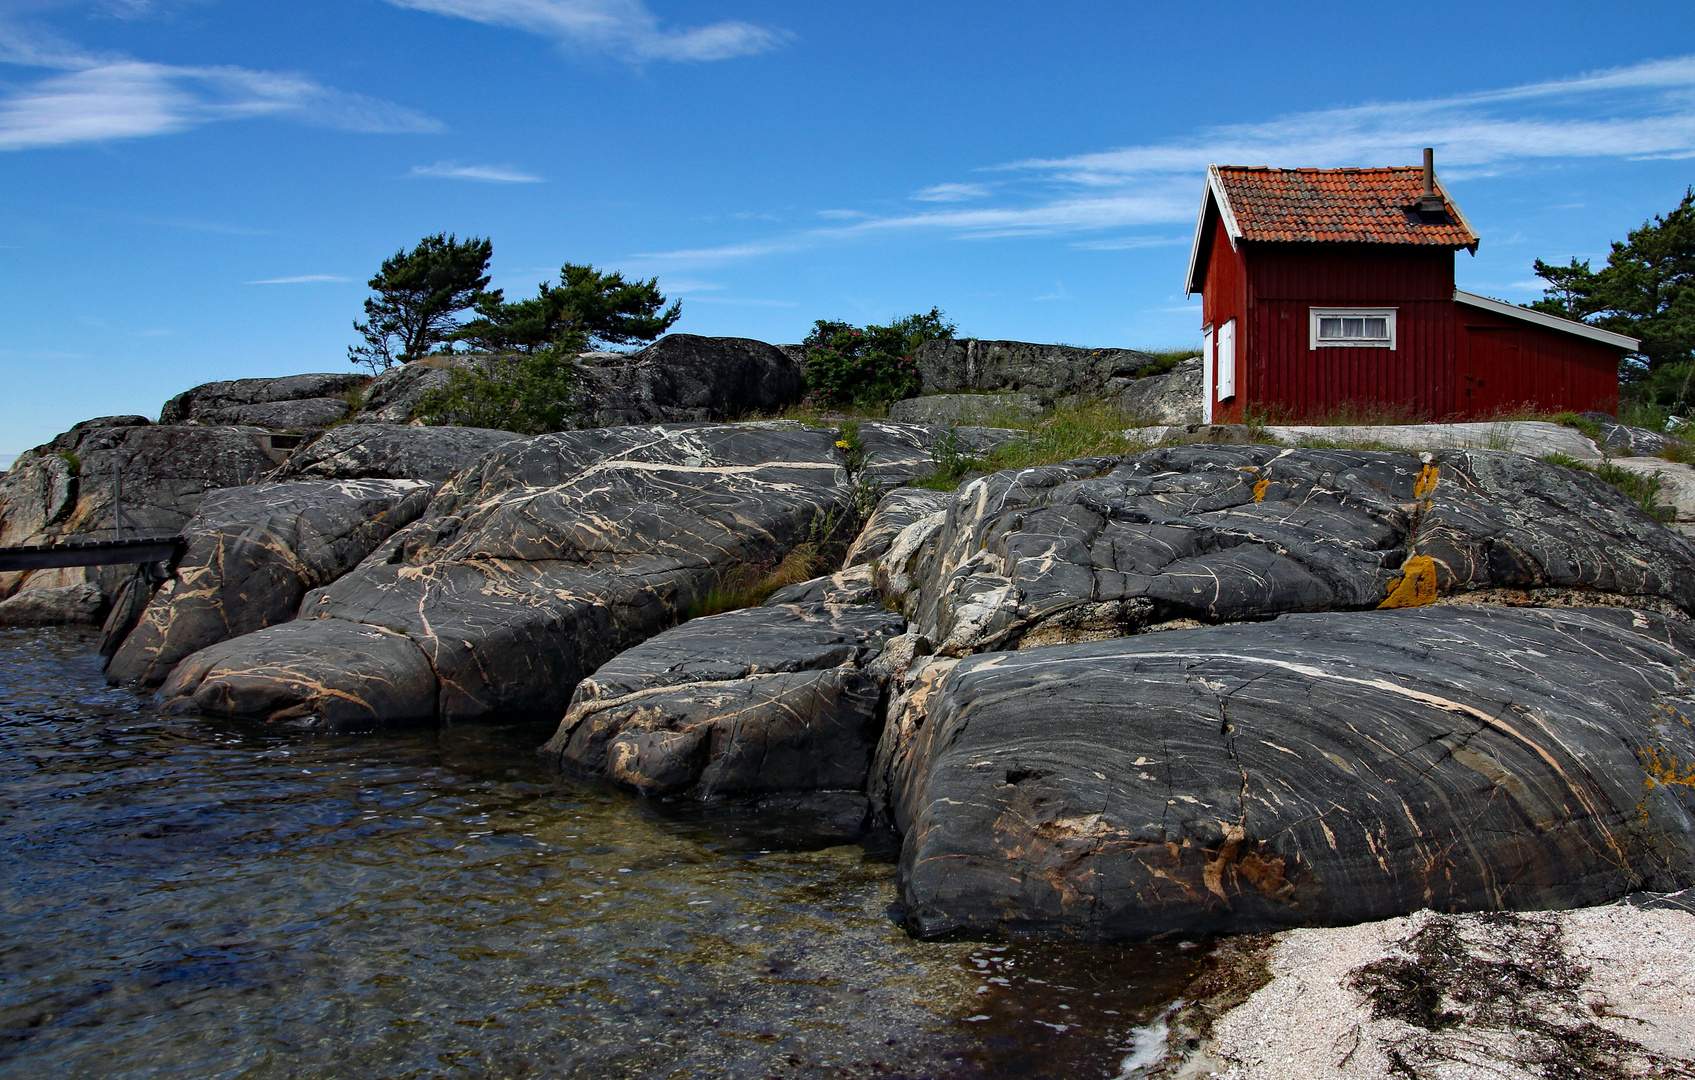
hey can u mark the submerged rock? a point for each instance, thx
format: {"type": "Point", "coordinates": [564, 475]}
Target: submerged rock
{"type": "Point", "coordinates": [766, 699]}
{"type": "Point", "coordinates": [59, 605]}
{"type": "Point", "coordinates": [253, 552]}
{"type": "Point", "coordinates": [1315, 770]}
{"type": "Point", "coordinates": [529, 570]}
{"type": "Point", "coordinates": [390, 451]}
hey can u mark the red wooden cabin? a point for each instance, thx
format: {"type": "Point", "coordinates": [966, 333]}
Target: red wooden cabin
{"type": "Point", "coordinates": [1332, 289]}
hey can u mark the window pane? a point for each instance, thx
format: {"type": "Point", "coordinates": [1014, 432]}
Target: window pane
{"type": "Point", "coordinates": [1329, 328]}
{"type": "Point", "coordinates": [1377, 328]}
{"type": "Point", "coordinates": [1353, 328]}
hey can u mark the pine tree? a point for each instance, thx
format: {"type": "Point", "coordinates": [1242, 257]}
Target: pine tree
{"type": "Point", "coordinates": [419, 296]}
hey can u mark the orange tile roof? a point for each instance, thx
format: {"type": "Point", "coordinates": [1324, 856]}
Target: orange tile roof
{"type": "Point", "coordinates": [1339, 206]}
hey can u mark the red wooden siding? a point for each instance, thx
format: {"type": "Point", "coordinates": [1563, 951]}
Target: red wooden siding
{"type": "Point", "coordinates": [1505, 364]}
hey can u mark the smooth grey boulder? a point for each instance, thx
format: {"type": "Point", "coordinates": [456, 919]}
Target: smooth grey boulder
{"type": "Point", "coordinates": [895, 511]}
{"type": "Point", "coordinates": [60, 605]}
{"type": "Point", "coordinates": [63, 489]}
{"type": "Point", "coordinates": [530, 569]}
{"type": "Point", "coordinates": [766, 699]}
{"type": "Point", "coordinates": [894, 453]}
{"type": "Point", "coordinates": [689, 378]}
{"type": "Point", "coordinates": [306, 414]}
{"type": "Point", "coordinates": [949, 365]}
{"type": "Point", "coordinates": [394, 395]}
{"type": "Point", "coordinates": [1170, 398]}
{"type": "Point", "coordinates": [1103, 547]}
{"type": "Point", "coordinates": [253, 553]}
{"type": "Point", "coordinates": [982, 410]}
{"type": "Point", "coordinates": [1319, 769]}
{"type": "Point", "coordinates": [390, 451]}
{"type": "Point", "coordinates": [202, 402]}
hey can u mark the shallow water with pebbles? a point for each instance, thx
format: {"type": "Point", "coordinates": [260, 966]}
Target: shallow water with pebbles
{"type": "Point", "coordinates": [182, 897]}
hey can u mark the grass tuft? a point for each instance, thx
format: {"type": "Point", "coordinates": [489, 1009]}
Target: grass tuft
{"type": "Point", "coordinates": [1643, 488]}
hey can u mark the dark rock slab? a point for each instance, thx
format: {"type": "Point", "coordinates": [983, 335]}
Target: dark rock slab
{"type": "Point", "coordinates": [394, 395]}
{"type": "Point", "coordinates": [60, 605]}
{"type": "Point", "coordinates": [390, 451]}
{"type": "Point", "coordinates": [1220, 533]}
{"type": "Point", "coordinates": [766, 699]}
{"type": "Point", "coordinates": [530, 569]}
{"type": "Point", "coordinates": [306, 414]}
{"type": "Point", "coordinates": [1051, 371]}
{"type": "Point", "coordinates": [63, 490]}
{"type": "Point", "coordinates": [895, 511]}
{"type": "Point", "coordinates": [253, 553]}
{"type": "Point", "coordinates": [1315, 770]}
{"type": "Point", "coordinates": [897, 453]}
{"type": "Point", "coordinates": [689, 378]}
{"type": "Point", "coordinates": [200, 403]}
{"type": "Point", "coordinates": [981, 410]}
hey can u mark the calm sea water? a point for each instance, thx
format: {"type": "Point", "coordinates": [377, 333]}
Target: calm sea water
{"type": "Point", "coordinates": [184, 897]}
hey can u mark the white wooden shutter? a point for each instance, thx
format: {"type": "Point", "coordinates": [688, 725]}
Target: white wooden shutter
{"type": "Point", "coordinates": [1226, 380]}
{"type": "Point", "coordinates": [1206, 374]}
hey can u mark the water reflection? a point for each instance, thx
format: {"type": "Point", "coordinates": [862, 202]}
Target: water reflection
{"type": "Point", "coordinates": [191, 898]}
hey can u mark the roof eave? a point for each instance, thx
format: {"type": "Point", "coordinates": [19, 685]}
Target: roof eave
{"type": "Point", "coordinates": [1550, 322]}
{"type": "Point", "coordinates": [1459, 216]}
{"type": "Point", "coordinates": [1216, 195]}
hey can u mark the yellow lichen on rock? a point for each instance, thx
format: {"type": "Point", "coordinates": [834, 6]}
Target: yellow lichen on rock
{"type": "Point", "coordinates": [1426, 482]}
{"type": "Point", "coordinates": [1667, 769]}
{"type": "Point", "coordinates": [1416, 587]}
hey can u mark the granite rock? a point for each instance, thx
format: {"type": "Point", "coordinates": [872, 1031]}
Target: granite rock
{"type": "Point", "coordinates": [950, 365]}
{"type": "Point", "coordinates": [202, 402]}
{"type": "Point", "coordinates": [253, 553]}
{"type": "Point", "coordinates": [390, 451]}
{"type": "Point", "coordinates": [1318, 769]}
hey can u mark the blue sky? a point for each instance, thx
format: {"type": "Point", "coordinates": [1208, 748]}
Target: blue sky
{"type": "Point", "coordinates": [198, 189]}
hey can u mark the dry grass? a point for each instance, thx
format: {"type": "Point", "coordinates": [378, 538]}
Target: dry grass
{"type": "Point", "coordinates": [749, 586]}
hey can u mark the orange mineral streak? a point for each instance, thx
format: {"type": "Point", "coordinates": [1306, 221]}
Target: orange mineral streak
{"type": "Point", "coordinates": [1259, 490]}
{"type": "Point", "coordinates": [1416, 587]}
{"type": "Point", "coordinates": [1665, 768]}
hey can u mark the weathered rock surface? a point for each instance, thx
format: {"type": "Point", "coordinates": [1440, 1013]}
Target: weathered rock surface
{"type": "Point", "coordinates": [1052, 371]}
{"type": "Point", "coordinates": [63, 489]}
{"type": "Point", "coordinates": [253, 553]}
{"type": "Point", "coordinates": [1099, 548]}
{"type": "Point", "coordinates": [1315, 770]}
{"type": "Point", "coordinates": [307, 414]}
{"type": "Point", "coordinates": [390, 451]}
{"type": "Point", "coordinates": [767, 699]}
{"type": "Point", "coordinates": [394, 395]}
{"type": "Point", "coordinates": [895, 511]}
{"type": "Point", "coordinates": [219, 402]}
{"type": "Point", "coordinates": [982, 410]}
{"type": "Point", "coordinates": [1171, 398]}
{"type": "Point", "coordinates": [61, 605]}
{"type": "Point", "coordinates": [897, 453]}
{"type": "Point", "coordinates": [688, 378]}
{"type": "Point", "coordinates": [529, 570]}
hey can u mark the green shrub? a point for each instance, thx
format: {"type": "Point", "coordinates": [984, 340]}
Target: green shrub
{"type": "Point", "coordinates": [850, 365]}
{"type": "Point", "coordinates": [1643, 488]}
{"type": "Point", "coordinates": [532, 393]}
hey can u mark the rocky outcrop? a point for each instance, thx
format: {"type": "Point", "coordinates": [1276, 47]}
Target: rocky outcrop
{"type": "Point", "coordinates": [767, 699]}
{"type": "Point", "coordinates": [293, 402]}
{"type": "Point", "coordinates": [983, 410]}
{"type": "Point", "coordinates": [1534, 437]}
{"type": "Point", "coordinates": [253, 552]}
{"type": "Point", "coordinates": [390, 451]}
{"type": "Point", "coordinates": [895, 511]}
{"type": "Point", "coordinates": [1173, 397]}
{"type": "Point", "coordinates": [529, 570]}
{"type": "Point", "coordinates": [893, 454]}
{"type": "Point", "coordinates": [1102, 548]}
{"type": "Point", "coordinates": [950, 365]}
{"type": "Point", "coordinates": [60, 605]}
{"type": "Point", "coordinates": [688, 378]}
{"type": "Point", "coordinates": [1315, 770]}
{"type": "Point", "coordinates": [64, 489]}
{"type": "Point", "coordinates": [393, 397]}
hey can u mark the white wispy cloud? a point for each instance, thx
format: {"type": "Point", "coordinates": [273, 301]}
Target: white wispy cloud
{"type": "Point", "coordinates": [300, 279]}
{"type": "Point", "coordinates": [951, 192]}
{"type": "Point", "coordinates": [488, 174]}
{"type": "Point", "coordinates": [96, 98]}
{"type": "Point", "coordinates": [1643, 111]}
{"type": "Point", "coordinates": [622, 28]}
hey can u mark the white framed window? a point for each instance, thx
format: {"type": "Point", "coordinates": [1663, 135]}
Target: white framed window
{"type": "Point", "coordinates": [1353, 328]}
{"type": "Point", "coordinates": [1226, 379]}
